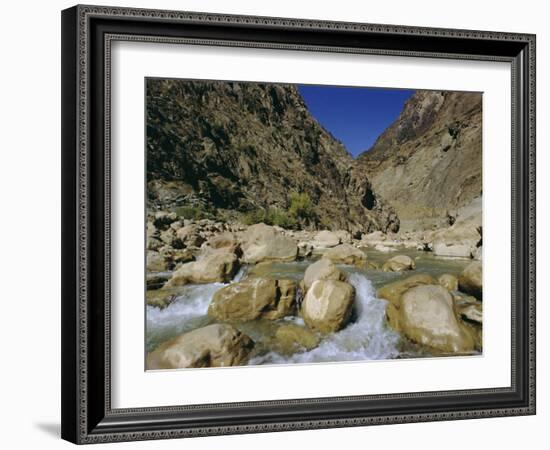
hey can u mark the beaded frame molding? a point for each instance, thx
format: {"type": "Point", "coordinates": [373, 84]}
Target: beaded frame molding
{"type": "Point", "coordinates": [87, 35]}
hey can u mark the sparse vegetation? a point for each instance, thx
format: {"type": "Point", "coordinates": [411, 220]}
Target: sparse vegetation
{"type": "Point", "coordinates": [300, 212]}
{"type": "Point", "coordinates": [195, 212]}
{"type": "Point", "coordinates": [301, 207]}
{"type": "Point", "coordinates": [271, 216]}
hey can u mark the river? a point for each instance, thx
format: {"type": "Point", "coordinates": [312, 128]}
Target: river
{"type": "Point", "coordinates": [366, 338]}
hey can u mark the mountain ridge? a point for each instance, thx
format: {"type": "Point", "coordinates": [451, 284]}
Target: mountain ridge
{"type": "Point", "coordinates": [241, 147]}
{"type": "Point", "coordinates": [428, 163]}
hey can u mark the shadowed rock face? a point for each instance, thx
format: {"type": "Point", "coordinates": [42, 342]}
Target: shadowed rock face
{"type": "Point", "coordinates": [244, 146]}
{"type": "Point", "coordinates": [427, 164]}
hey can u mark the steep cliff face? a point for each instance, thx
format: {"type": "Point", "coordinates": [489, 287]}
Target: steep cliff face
{"type": "Point", "coordinates": [428, 163]}
{"type": "Point", "coordinates": [240, 147]}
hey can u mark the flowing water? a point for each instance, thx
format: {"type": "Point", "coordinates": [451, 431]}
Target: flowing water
{"type": "Point", "coordinates": [366, 338]}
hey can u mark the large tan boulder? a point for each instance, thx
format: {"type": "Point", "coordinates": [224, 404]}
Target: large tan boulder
{"type": "Point", "coordinates": [470, 280]}
{"type": "Point", "coordinates": [460, 240]}
{"type": "Point", "coordinates": [264, 243]}
{"type": "Point", "coordinates": [393, 291]}
{"type": "Point", "coordinates": [225, 240]}
{"type": "Point", "coordinates": [448, 281]}
{"type": "Point", "coordinates": [156, 262]}
{"type": "Point", "coordinates": [291, 338]}
{"type": "Point", "coordinates": [427, 317]}
{"type": "Point", "coordinates": [399, 263]}
{"type": "Point", "coordinates": [346, 254]}
{"type": "Point", "coordinates": [217, 345]}
{"type": "Point", "coordinates": [254, 298]}
{"type": "Point", "coordinates": [327, 305]}
{"type": "Point", "coordinates": [323, 269]}
{"type": "Point", "coordinates": [216, 266]}
{"type": "Point", "coordinates": [325, 239]}
{"type": "Point", "coordinates": [190, 235]}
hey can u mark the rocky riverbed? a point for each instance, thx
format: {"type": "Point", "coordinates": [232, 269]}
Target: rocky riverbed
{"type": "Point", "coordinates": [221, 294]}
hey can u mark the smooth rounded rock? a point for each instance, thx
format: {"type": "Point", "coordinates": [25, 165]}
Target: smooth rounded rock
{"type": "Point", "coordinates": [217, 345]}
{"type": "Point", "coordinates": [327, 305]}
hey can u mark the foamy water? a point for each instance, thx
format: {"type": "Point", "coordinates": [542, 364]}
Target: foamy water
{"type": "Point", "coordinates": [368, 338]}
{"type": "Point", "coordinates": [185, 313]}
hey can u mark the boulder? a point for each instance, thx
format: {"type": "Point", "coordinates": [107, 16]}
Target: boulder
{"type": "Point", "coordinates": [393, 291]}
{"type": "Point", "coordinates": [440, 248]}
{"type": "Point", "coordinates": [168, 236]}
{"type": "Point", "coordinates": [471, 279]}
{"type": "Point", "coordinates": [226, 240]}
{"type": "Point", "coordinates": [463, 299]}
{"type": "Point", "coordinates": [458, 240]}
{"type": "Point", "coordinates": [325, 239]}
{"type": "Point", "coordinates": [254, 298]}
{"type": "Point", "coordinates": [399, 263]}
{"type": "Point", "coordinates": [323, 269]}
{"type": "Point", "coordinates": [176, 225]}
{"type": "Point", "coordinates": [346, 254]}
{"type": "Point", "coordinates": [214, 266]}
{"type": "Point", "coordinates": [161, 298]}
{"type": "Point", "coordinates": [472, 312]}
{"type": "Point", "coordinates": [392, 317]}
{"type": "Point", "coordinates": [327, 305]}
{"type": "Point", "coordinates": [163, 219]}
{"type": "Point", "coordinates": [156, 262]}
{"type": "Point", "coordinates": [264, 243]}
{"type": "Point", "coordinates": [154, 244]}
{"type": "Point", "coordinates": [151, 230]}
{"type": "Point", "coordinates": [156, 280]}
{"type": "Point", "coordinates": [182, 256]}
{"type": "Point", "coordinates": [190, 235]}
{"type": "Point", "coordinates": [448, 281]}
{"type": "Point", "coordinates": [427, 317]}
{"type": "Point", "coordinates": [217, 345]}
{"type": "Point", "coordinates": [291, 338]}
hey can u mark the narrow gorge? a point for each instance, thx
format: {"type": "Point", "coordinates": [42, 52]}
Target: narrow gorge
{"type": "Point", "coordinates": [269, 243]}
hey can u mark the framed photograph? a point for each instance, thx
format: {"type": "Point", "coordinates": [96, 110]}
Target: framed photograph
{"type": "Point", "coordinates": [282, 224]}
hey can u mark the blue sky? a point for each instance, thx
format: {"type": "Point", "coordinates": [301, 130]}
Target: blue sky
{"type": "Point", "coordinates": [355, 116]}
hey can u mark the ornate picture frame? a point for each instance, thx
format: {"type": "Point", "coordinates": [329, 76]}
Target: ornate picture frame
{"type": "Point", "coordinates": [87, 35]}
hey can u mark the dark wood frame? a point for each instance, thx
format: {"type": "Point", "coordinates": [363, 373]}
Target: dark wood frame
{"type": "Point", "coordinates": [87, 32]}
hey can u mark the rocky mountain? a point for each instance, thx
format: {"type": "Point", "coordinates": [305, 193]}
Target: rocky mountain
{"type": "Point", "coordinates": [241, 147]}
{"type": "Point", "coordinates": [428, 163]}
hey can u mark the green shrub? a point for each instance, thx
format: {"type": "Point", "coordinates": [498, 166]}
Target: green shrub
{"type": "Point", "coordinates": [281, 218]}
{"type": "Point", "coordinates": [271, 216]}
{"type": "Point", "coordinates": [301, 208]}
{"type": "Point", "coordinates": [194, 212]}
{"type": "Point", "coordinates": [254, 217]}
{"type": "Point", "coordinates": [300, 212]}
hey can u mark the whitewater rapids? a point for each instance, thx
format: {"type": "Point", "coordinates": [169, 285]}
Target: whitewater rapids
{"type": "Point", "coordinates": [367, 338]}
